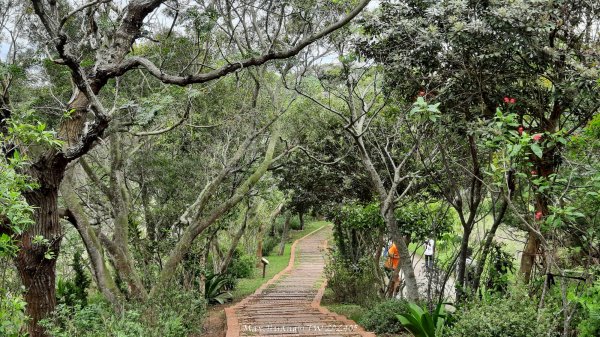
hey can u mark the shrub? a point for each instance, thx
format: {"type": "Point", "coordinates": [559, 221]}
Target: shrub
{"type": "Point", "coordinates": [12, 314]}
{"type": "Point", "coordinates": [74, 292]}
{"type": "Point", "coordinates": [501, 317]}
{"type": "Point", "coordinates": [269, 243]}
{"type": "Point", "coordinates": [383, 317]}
{"type": "Point", "coordinates": [590, 302]}
{"type": "Point", "coordinates": [174, 314]}
{"type": "Point", "coordinates": [351, 282]}
{"type": "Point", "coordinates": [242, 265]}
{"type": "Point", "coordinates": [295, 223]}
{"type": "Point", "coordinates": [500, 267]}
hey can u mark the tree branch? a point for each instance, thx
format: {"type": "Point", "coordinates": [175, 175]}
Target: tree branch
{"type": "Point", "coordinates": [137, 61]}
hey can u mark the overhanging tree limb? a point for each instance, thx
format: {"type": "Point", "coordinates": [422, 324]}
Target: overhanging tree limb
{"type": "Point", "coordinates": [194, 229]}
{"type": "Point", "coordinates": [137, 61]}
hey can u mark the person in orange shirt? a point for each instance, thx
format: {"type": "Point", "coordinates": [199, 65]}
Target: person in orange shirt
{"type": "Point", "coordinates": [394, 256]}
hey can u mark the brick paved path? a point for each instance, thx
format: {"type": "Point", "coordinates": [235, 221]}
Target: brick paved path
{"type": "Point", "coordinates": [288, 305]}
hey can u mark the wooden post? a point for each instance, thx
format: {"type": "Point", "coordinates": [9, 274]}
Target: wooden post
{"type": "Point", "coordinates": [265, 262]}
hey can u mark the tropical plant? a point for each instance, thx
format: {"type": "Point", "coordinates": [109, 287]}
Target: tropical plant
{"type": "Point", "coordinates": [421, 323]}
{"type": "Point", "coordinates": [214, 289]}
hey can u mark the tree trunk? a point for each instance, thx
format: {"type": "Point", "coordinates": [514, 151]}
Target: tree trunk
{"type": "Point", "coordinates": [533, 247]}
{"type": "Point", "coordinates": [202, 266]}
{"type": "Point", "coordinates": [546, 166]}
{"type": "Point", "coordinates": [393, 283]}
{"type": "Point", "coordinates": [284, 234]}
{"type": "Point", "coordinates": [528, 257]}
{"type": "Point", "coordinates": [125, 268]}
{"type": "Point", "coordinates": [462, 264]}
{"type": "Point", "coordinates": [377, 260]}
{"type": "Point", "coordinates": [120, 201]}
{"type": "Point", "coordinates": [77, 217]}
{"type": "Point", "coordinates": [200, 224]}
{"type": "Point", "coordinates": [261, 228]}
{"type": "Point", "coordinates": [37, 272]}
{"type": "Point", "coordinates": [412, 289]}
{"type": "Point", "coordinates": [259, 243]}
{"type": "Point", "coordinates": [150, 224]}
{"type": "Point", "coordinates": [234, 243]}
{"type": "Point", "coordinates": [488, 244]}
{"type": "Point", "coordinates": [301, 217]}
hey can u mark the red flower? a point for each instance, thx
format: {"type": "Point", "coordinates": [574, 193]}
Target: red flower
{"type": "Point", "coordinates": [539, 215]}
{"type": "Point", "coordinates": [534, 173]}
{"type": "Point", "coordinates": [512, 101]}
{"type": "Point", "coordinates": [537, 137]}
{"type": "Point", "coordinates": [421, 93]}
{"type": "Point", "coordinates": [520, 129]}
{"type": "Point", "coordinates": [506, 99]}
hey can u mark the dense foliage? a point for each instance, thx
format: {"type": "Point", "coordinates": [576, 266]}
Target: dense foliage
{"type": "Point", "coordinates": [153, 152]}
{"type": "Point", "coordinates": [383, 317]}
{"type": "Point", "coordinates": [503, 317]}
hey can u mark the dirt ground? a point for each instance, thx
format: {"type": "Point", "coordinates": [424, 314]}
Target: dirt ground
{"type": "Point", "coordinates": [215, 324]}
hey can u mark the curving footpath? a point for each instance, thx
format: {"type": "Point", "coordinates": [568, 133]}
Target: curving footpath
{"type": "Point", "coordinates": [289, 303]}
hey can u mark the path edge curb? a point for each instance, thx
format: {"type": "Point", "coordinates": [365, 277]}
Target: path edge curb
{"type": "Point", "coordinates": [316, 303]}
{"type": "Point", "coordinates": [233, 326]}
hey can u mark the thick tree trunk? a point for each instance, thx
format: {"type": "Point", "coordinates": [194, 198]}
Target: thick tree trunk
{"type": "Point", "coordinates": [528, 256]}
{"type": "Point", "coordinates": [37, 272]}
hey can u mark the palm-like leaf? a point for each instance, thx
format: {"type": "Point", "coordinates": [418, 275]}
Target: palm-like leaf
{"type": "Point", "coordinates": [213, 289]}
{"type": "Point", "coordinates": [421, 323]}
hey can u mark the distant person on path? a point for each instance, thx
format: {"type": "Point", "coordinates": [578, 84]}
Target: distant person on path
{"type": "Point", "coordinates": [429, 245]}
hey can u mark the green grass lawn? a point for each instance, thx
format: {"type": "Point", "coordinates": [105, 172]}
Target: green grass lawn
{"type": "Point", "coordinates": [247, 286]}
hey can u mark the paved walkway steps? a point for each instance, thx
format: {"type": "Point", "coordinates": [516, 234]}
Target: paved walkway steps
{"type": "Point", "coordinates": [289, 304]}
